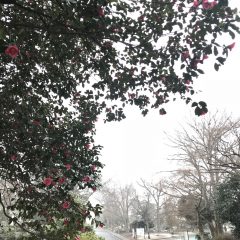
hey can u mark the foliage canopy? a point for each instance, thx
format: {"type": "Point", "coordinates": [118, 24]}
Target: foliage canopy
{"type": "Point", "coordinates": [228, 203]}
{"type": "Point", "coordinates": [65, 62]}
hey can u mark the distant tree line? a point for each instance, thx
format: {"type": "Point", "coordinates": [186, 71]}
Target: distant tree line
{"type": "Point", "coordinates": [202, 194]}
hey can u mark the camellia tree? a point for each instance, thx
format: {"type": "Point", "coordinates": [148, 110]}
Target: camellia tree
{"type": "Point", "coordinates": [44, 156]}
{"type": "Point", "coordinates": [64, 62]}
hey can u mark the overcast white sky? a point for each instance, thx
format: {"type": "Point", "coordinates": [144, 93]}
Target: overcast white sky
{"type": "Point", "coordinates": [137, 146]}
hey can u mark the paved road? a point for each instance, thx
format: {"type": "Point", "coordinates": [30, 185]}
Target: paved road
{"type": "Point", "coordinates": [108, 235]}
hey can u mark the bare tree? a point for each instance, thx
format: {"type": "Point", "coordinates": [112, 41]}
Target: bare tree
{"type": "Point", "coordinates": [155, 191]}
{"type": "Point", "coordinates": [229, 147]}
{"type": "Point", "coordinates": [202, 167]}
{"type": "Point", "coordinates": [145, 209]}
{"type": "Point", "coordinates": [117, 202]}
{"type": "Point", "coordinates": [194, 202]}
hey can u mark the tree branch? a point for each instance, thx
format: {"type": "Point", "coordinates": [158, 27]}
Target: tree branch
{"type": "Point", "coordinates": [15, 220]}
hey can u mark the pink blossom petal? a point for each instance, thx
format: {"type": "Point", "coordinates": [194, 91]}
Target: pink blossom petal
{"type": "Point", "coordinates": [66, 205]}
{"type": "Point", "coordinates": [61, 180]}
{"type": "Point", "coordinates": [86, 179]}
{"type": "Point", "coordinates": [231, 46]}
{"type": "Point", "coordinates": [185, 55]}
{"type": "Point", "coordinates": [195, 3]}
{"type": "Point", "coordinates": [47, 181]}
{"type": "Point", "coordinates": [68, 166]}
{"type": "Point", "coordinates": [12, 51]}
{"type": "Point", "coordinates": [13, 157]}
{"type": "Point", "coordinates": [205, 57]}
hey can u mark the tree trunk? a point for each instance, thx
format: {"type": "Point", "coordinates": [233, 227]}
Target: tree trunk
{"type": "Point", "coordinates": [126, 224]}
{"type": "Point", "coordinates": [158, 219]}
{"type": "Point", "coordinates": [147, 230]}
{"type": "Point", "coordinates": [212, 229]}
{"type": "Point", "coordinates": [200, 227]}
{"type": "Point", "coordinates": [219, 225]}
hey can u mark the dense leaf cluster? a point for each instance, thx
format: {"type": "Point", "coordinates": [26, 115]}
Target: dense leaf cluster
{"type": "Point", "coordinates": [228, 202]}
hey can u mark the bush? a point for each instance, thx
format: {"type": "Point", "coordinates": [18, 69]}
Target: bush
{"type": "Point", "coordinates": [90, 236]}
{"type": "Point", "coordinates": [83, 236]}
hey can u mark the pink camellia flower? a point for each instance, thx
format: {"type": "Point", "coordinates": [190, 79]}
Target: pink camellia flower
{"type": "Point", "coordinates": [205, 57]}
{"type": "Point", "coordinates": [63, 146]}
{"type": "Point", "coordinates": [12, 51]}
{"type": "Point", "coordinates": [162, 111]}
{"type": "Point", "coordinates": [94, 189]}
{"type": "Point", "coordinates": [231, 46]}
{"type": "Point", "coordinates": [47, 181]}
{"type": "Point", "coordinates": [213, 4]}
{"type": "Point", "coordinates": [116, 30]}
{"type": "Point", "coordinates": [13, 157]}
{"type": "Point", "coordinates": [36, 122]}
{"type": "Point", "coordinates": [87, 146]}
{"type": "Point", "coordinates": [141, 18]}
{"type": "Point", "coordinates": [187, 82]}
{"type": "Point", "coordinates": [86, 179]}
{"type": "Point", "coordinates": [131, 95]}
{"type": "Point", "coordinates": [61, 180]}
{"type": "Point", "coordinates": [185, 55]}
{"type": "Point", "coordinates": [67, 153]}
{"type": "Point", "coordinates": [196, 62]}
{"type": "Point", "coordinates": [68, 166]}
{"type": "Point", "coordinates": [77, 238]}
{"type": "Point", "coordinates": [50, 126]}
{"type": "Point", "coordinates": [132, 70]}
{"type": "Point", "coordinates": [100, 12]}
{"type": "Point", "coordinates": [66, 205]}
{"type": "Point", "coordinates": [28, 54]}
{"type": "Point", "coordinates": [93, 168]}
{"type": "Point", "coordinates": [195, 3]}
{"type": "Point", "coordinates": [66, 222]}
{"type": "Point", "coordinates": [208, 5]}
